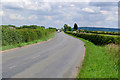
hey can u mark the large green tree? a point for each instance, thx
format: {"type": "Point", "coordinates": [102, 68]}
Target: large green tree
{"type": "Point", "coordinates": [43, 27]}
{"type": "Point", "coordinates": [69, 28]}
{"type": "Point", "coordinates": [65, 27]}
{"type": "Point", "coordinates": [75, 26]}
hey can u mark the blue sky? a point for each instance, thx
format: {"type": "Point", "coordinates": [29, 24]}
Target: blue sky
{"type": "Point", "coordinates": [56, 14]}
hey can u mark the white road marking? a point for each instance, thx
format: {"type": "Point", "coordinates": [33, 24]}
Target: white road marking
{"type": "Point", "coordinates": [35, 56]}
{"type": "Point", "coordinates": [11, 67]}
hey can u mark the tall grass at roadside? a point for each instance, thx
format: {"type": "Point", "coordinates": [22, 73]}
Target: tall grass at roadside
{"type": "Point", "coordinates": [113, 51]}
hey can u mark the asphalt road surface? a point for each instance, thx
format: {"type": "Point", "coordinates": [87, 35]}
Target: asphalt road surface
{"type": "Point", "coordinates": [56, 58]}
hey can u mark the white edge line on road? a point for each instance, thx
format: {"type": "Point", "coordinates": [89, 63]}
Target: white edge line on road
{"type": "Point", "coordinates": [35, 56]}
{"type": "Point", "coordinates": [11, 67]}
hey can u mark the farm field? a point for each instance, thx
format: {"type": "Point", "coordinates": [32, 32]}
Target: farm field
{"type": "Point", "coordinates": [100, 29]}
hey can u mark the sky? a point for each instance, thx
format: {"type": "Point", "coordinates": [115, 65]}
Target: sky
{"type": "Point", "coordinates": [56, 14]}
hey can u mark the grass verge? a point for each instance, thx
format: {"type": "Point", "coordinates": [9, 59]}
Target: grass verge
{"type": "Point", "coordinates": [28, 43]}
{"type": "Point", "coordinates": [99, 61]}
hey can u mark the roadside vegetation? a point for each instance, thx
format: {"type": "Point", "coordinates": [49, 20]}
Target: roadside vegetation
{"type": "Point", "coordinates": [99, 32]}
{"type": "Point", "coordinates": [98, 39]}
{"type": "Point", "coordinates": [13, 36]}
{"type": "Point", "coordinates": [101, 59]}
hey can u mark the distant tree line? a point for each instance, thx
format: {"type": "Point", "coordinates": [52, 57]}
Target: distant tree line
{"type": "Point", "coordinates": [68, 28]}
{"type": "Point", "coordinates": [27, 26]}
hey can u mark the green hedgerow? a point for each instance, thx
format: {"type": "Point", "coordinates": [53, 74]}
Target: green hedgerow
{"type": "Point", "coordinates": [15, 36]}
{"type": "Point", "coordinates": [10, 36]}
{"type": "Point", "coordinates": [98, 39]}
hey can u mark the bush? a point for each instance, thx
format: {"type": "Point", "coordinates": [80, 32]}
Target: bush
{"type": "Point", "coordinates": [100, 32]}
{"type": "Point", "coordinates": [10, 36]}
{"type": "Point", "coordinates": [16, 36]}
{"type": "Point", "coordinates": [98, 39]}
{"type": "Point", "coordinates": [28, 35]}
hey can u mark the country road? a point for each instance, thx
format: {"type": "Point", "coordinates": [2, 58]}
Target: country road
{"type": "Point", "coordinates": [56, 58]}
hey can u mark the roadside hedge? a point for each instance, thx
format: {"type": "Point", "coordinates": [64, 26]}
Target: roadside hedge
{"type": "Point", "coordinates": [28, 35]}
{"type": "Point", "coordinates": [10, 36]}
{"type": "Point", "coordinates": [98, 39]}
{"type": "Point", "coordinates": [16, 36]}
{"type": "Point", "coordinates": [101, 32]}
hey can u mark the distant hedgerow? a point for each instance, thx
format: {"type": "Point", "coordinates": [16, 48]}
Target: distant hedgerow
{"type": "Point", "coordinates": [98, 39]}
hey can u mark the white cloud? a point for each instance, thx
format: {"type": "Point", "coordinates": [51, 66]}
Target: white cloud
{"type": "Point", "coordinates": [36, 5]}
{"type": "Point", "coordinates": [58, 12]}
{"type": "Point", "coordinates": [32, 17]}
{"type": "Point", "coordinates": [66, 1]}
{"type": "Point", "coordinates": [104, 0]}
{"type": "Point", "coordinates": [10, 0]}
{"type": "Point", "coordinates": [99, 22]}
{"type": "Point", "coordinates": [63, 0]}
{"type": "Point", "coordinates": [88, 10]}
{"type": "Point", "coordinates": [105, 12]}
{"type": "Point", "coordinates": [48, 17]}
{"type": "Point", "coordinates": [45, 6]}
{"type": "Point", "coordinates": [60, 6]}
{"type": "Point", "coordinates": [116, 12]}
{"type": "Point", "coordinates": [29, 4]}
{"type": "Point", "coordinates": [2, 13]}
{"type": "Point", "coordinates": [68, 16]}
{"type": "Point", "coordinates": [46, 0]}
{"type": "Point", "coordinates": [72, 5]}
{"type": "Point", "coordinates": [80, 0]}
{"type": "Point", "coordinates": [58, 22]}
{"type": "Point", "coordinates": [16, 16]}
{"type": "Point", "coordinates": [111, 18]}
